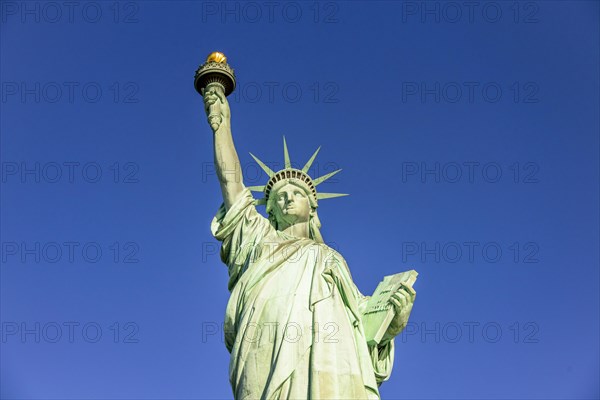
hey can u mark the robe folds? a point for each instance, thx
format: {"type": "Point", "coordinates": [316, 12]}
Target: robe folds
{"type": "Point", "coordinates": [293, 320]}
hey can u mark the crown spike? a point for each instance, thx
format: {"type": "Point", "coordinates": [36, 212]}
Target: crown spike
{"type": "Point", "coordinates": [321, 196]}
{"type": "Point", "coordinates": [323, 178]}
{"type": "Point", "coordinates": [268, 170]}
{"type": "Point", "coordinates": [310, 161]}
{"type": "Point", "coordinates": [260, 202]}
{"type": "Point", "coordinates": [256, 188]}
{"type": "Point", "coordinates": [286, 155]}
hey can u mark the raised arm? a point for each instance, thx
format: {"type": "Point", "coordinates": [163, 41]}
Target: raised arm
{"type": "Point", "coordinates": [227, 163]}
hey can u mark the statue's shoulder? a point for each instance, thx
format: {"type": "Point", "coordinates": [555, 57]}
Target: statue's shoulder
{"type": "Point", "coordinates": [329, 253]}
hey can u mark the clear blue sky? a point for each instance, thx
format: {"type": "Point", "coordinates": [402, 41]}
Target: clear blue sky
{"type": "Point", "coordinates": [468, 138]}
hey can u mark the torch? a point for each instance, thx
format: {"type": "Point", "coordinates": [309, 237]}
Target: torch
{"type": "Point", "coordinates": [217, 75]}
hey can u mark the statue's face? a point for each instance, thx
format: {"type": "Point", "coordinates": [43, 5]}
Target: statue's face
{"type": "Point", "coordinates": [291, 205]}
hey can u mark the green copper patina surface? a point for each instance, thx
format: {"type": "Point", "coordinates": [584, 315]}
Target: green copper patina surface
{"type": "Point", "coordinates": [294, 323]}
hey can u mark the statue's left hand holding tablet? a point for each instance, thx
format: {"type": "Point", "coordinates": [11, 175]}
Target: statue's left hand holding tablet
{"type": "Point", "coordinates": [402, 301]}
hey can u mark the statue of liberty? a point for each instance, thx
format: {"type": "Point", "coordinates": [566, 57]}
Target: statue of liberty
{"type": "Point", "coordinates": [296, 324]}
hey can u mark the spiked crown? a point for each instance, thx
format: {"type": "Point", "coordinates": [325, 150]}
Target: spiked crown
{"type": "Point", "coordinates": [293, 175]}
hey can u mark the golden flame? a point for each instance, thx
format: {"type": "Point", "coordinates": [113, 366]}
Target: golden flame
{"type": "Point", "coordinates": [217, 57]}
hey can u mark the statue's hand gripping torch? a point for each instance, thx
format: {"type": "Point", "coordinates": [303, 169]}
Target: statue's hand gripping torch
{"type": "Point", "coordinates": [214, 97]}
{"type": "Point", "coordinates": [215, 80]}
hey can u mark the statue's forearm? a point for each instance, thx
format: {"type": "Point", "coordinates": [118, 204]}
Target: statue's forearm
{"type": "Point", "coordinates": [227, 165]}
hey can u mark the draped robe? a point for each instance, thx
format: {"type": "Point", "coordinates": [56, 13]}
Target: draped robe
{"type": "Point", "coordinates": [293, 321]}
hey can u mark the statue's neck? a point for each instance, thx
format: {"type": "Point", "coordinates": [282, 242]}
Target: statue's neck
{"type": "Point", "coordinates": [299, 229]}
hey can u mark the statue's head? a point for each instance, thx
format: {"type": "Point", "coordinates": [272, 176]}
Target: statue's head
{"type": "Point", "coordinates": [289, 202]}
{"type": "Point", "coordinates": [291, 196]}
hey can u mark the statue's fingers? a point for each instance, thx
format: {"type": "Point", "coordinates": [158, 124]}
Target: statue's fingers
{"type": "Point", "coordinates": [410, 290]}
{"type": "Point", "coordinates": [220, 95]}
{"type": "Point", "coordinates": [400, 299]}
{"type": "Point", "coordinates": [395, 302]}
{"type": "Point", "coordinates": [407, 297]}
